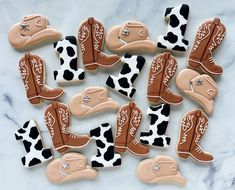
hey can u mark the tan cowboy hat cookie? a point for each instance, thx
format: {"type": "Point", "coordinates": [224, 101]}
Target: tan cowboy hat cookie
{"type": "Point", "coordinates": [92, 100]}
{"type": "Point", "coordinates": [161, 169]}
{"type": "Point", "coordinates": [201, 88]}
{"type": "Point", "coordinates": [71, 167]}
{"type": "Point", "coordinates": [130, 37]}
{"type": "Point", "coordinates": [32, 30]}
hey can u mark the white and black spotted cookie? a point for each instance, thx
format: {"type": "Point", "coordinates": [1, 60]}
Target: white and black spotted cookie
{"type": "Point", "coordinates": [178, 18]}
{"type": "Point", "coordinates": [105, 157]}
{"type": "Point", "coordinates": [131, 69]}
{"type": "Point", "coordinates": [159, 115]}
{"type": "Point", "coordinates": [32, 140]}
{"type": "Point", "coordinates": [68, 53]}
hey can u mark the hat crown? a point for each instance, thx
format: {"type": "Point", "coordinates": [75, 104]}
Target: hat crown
{"type": "Point", "coordinates": [72, 163]}
{"type": "Point", "coordinates": [204, 85]}
{"type": "Point", "coordinates": [94, 95]}
{"type": "Point", "coordinates": [164, 167]}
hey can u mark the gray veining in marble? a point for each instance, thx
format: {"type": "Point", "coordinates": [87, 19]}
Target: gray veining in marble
{"type": "Point", "coordinates": [66, 16]}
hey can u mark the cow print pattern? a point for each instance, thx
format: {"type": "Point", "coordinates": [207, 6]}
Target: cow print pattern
{"type": "Point", "coordinates": [105, 156]}
{"type": "Point", "coordinates": [69, 71]}
{"type": "Point", "coordinates": [133, 65]}
{"type": "Point", "coordinates": [178, 18]}
{"type": "Point", "coordinates": [158, 124]}
{"type": "Point", "coordinates": [32, 140]}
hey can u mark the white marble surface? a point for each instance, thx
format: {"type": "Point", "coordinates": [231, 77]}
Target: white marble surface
{"type": "Point", "coordinates": [66, 16]}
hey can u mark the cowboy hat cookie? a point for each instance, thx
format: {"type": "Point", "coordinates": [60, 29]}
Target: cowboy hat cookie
{"type": "Point", "coordinates": [69, 71]}
{"type": "Point", "coordinates": [131, 37]}
{"type": "Point", "coordinates": [37, 153]}
{"type": "Point", "coordinates": [161, 169]}
{"type": "Point", "coordinates": [57, 119]}
{"type": "Point", "coordinates": [162, 69]}
{"type": "Point", "coordinates": [178, 19]}
{"type": "Point", "coordinates": [91, 39]}
{"type": "Point", "coordinates": [201, 88]}
{"type": "Point", "coordinates": [209, 36]}
{"type": "Point", "coordinates": [32, 70]}
{"type": "Point", "coordinates": [92, 100]}
{"type": "Point", "coordinates": [70, 167]}
{"type": "Point", "coordinates": [32, 30]}
{"type": "Point", "coordinates": [193, 126]}
{"type": "Point", "coordinates": [105, 157]}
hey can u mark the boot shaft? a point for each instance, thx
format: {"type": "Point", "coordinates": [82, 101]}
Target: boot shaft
{"type": "Point", "coordinates": [123, 120]}
{"type": "Point", "coordinates": [163, 68]}
{"type": "Point", "coordinates": [209, 36]}
{"type": "Point", "coordinates": [57, 118]}
{"type": "Point", "coordinates": [90, 36]}
{"type": "Point", "coordinates": [193, 126]}
{"type": "Point", "coordinates": [25, 68]}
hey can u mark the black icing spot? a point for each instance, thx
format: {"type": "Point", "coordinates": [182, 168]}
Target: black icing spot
{"type": "Point", "coordinates": [95, 132]}
{"type": "Point", "coordinates": [109, 154]}
{"type": "Point", "coordinates": [127, 55]}
{"type": "Point", "coordinates": [154, 118]}
{"type": "Point", "coordinates": [184, 11]}
{"type": "Point", "coordinates": [26, 124]}
{"type": "Point", "coordinates": [46, 153]}
{"type": "Point", "coordinates": [38, 145]}
{"type": "Point", "coordinates": [81, 76]}
{"type": "Point", "coordinates": [108, 135]}
{"type": "Point", "coordinates": [61, 61]}
{"type": "Point", "coordinates": [125, 69]}
{"type": "Point", "coordinates": [158, 142]}
{"type": "Point", "coordinates": [34, 133]}
{"type": "Point", "coordinates": [60, 49]}
{"type": "Point", "coordinates": [68, 75]}
{"type": "Point", "coordinates": [117, 162]}
{"type": "Point", "coordinates": [161, 46]}
{"type": "Point", "coordinates": [73, 64]}
{"type": "Point", "coordinates": [123, 92]}
{"type": "Point", "coordinates": [183, 28]}
{"type": "Point", "coordinates": [70, 51]}
{"type": "Point", "coordinates": [96, 164]}
{"type": "Point", "coordinates": [171, 37]}
{"type": "Point", "coordinates": [123, 82]}
{"type": "Point", "coordinates": [174, 21]}
{"type": "Point", "coordinates": [100, 144]}
{"type": "Point", "coordinates": [34, 162]}
{"type": "Point", "coordinates": [132, 92]}
{"type": "Point", "coordinates": [166, 110]}
{"type": "Point", "coordinates": [140, 62]}
{"type": "Point", "coordinates": [178, 48]}
{"type": "Point", "coordinates": [27, 145]}
{"type": "Point", "coordinates": [71, 39]}
{"type": "Point", "coordinates": [161, 127]}
{"type": "Point", "coordinates": [55, 74]}
{"type": "Point", "coordinates": [134, 77]}
{"type": "Point", "coordinates": [110, 82]}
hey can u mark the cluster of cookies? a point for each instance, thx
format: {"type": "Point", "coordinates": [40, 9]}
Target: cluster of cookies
{"type": "Point", "coordinates": [130, 39]}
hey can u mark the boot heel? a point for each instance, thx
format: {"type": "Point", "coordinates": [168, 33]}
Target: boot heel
{"type": "Point", "coordinates": [120, 150]}
{"type": "Point", "coordinates": [35, 100]}
{"type": "Point", "coordinates": [183, 155]}
{"type": "Point", "coordinates": [91, 67]}
{"type": "Point", "coordinates": [63, 149]}
{"type": "Point", "coordinates": [193, 64]}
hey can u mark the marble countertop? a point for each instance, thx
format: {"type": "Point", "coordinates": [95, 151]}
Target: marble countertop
{"type": "Point", "coordinates": [67, 16]}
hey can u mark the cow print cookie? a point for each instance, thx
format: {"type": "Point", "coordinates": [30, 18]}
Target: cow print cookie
{"type": "Point", "coordinates": [178, 18]}
{"type": "Point", "coordinates": [69, 71]}
{"type": "Point", "coordinates": [131, 69]}
{"type": "Point", "coordinates": [105, 157]}
{"type": "Point", "coordinates": [33, 143]}
{"type": "Point", "coordinates": [160, 115]}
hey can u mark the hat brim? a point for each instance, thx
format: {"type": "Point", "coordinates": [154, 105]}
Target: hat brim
{"type": "Point", "coordinates": [175, 179]}
{"type": "Point", "coordinates": [53, 174]}
{"type": "Point", "coordinates": [208, 105]}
